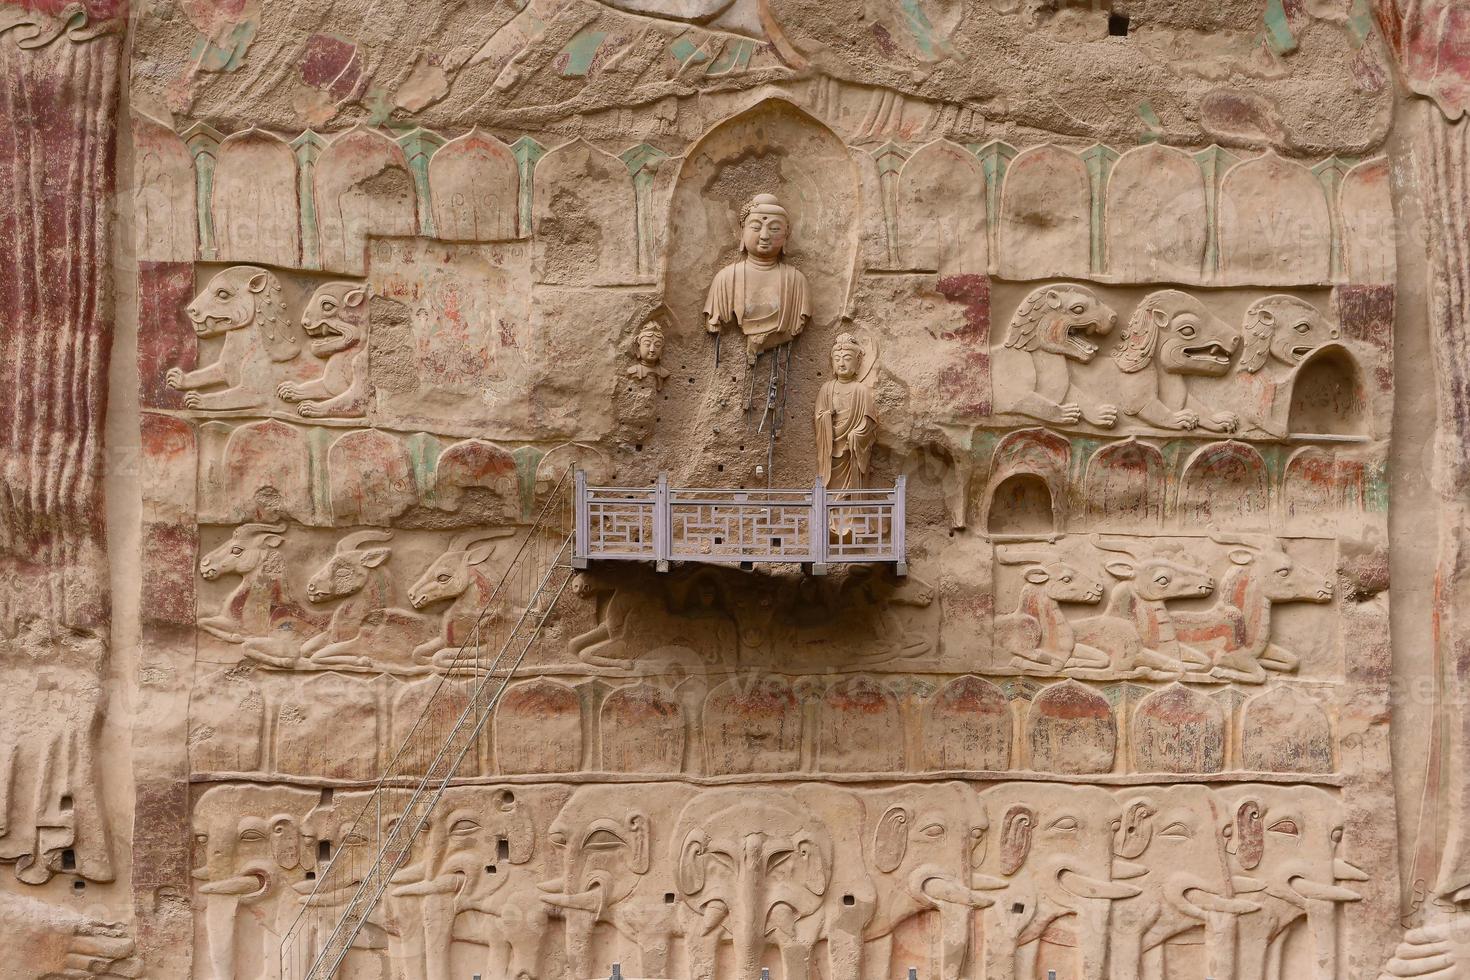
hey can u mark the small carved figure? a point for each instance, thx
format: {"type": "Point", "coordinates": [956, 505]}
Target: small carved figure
{"type": "Point", "coordinates": [1280, 331]}
{"type": "Point", "coordinates": [1136, 630]}
{"type": "Point", "coordinates": [1038, 633]}
{"type": "Point", "coordinates": [1236, 630]}
{"type": "Point", "coordinates": [847, 417]}
{"type": "Point", "coordinates": [647, 353]}
{"type": "Point", "coordinates": [1174, 333]}
{"type": "Point", "coordinates": [243, 304]}
{"type": "Point", "coordinates": [1032, 372]}
{"type": "Point", "coordinates": [336, 319]}
{"type": "Point", "coordinates": [365, 630]}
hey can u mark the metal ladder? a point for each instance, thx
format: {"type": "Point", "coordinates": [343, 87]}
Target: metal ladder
{"type": "Point", "coordinates": [448, 729]}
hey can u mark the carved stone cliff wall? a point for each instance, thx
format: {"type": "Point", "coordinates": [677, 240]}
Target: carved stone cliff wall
{"type": "Point", "coordinates": [1109, 299]}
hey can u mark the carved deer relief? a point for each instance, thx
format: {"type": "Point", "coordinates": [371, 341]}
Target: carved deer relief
{"type": "Point", "coordinates": [1236, 630]}
{"type": "Point", "coordinates": [336, 321]}
{"type": "Point", "coordinates": [243, 304]}
{"type": "Point", "coordinates": [260, 613]}
{"type": "Point", "coordinates": [1038, 633]}
{"type": "Point", "coordinates": [458, 576]}
{"type": "Point", "coordinates": [1137, 629]}
{"type": "Point", "coordinates": [365, 630]}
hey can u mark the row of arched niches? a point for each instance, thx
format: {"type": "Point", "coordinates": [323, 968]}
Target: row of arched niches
{"type": "Point", "coordinates": [767, 725]}
{"type": "Point", "coordinates": [1150, 213]}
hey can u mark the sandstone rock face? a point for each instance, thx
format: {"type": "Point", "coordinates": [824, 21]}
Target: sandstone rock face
{"type": "Point", "coordinates": [710, 486]}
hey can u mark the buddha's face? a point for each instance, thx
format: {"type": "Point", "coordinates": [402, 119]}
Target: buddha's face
{"type": "Point", "coordinates": [650, 348]}
{"type": "Point", "coordinates": [764, 235]}
{"type": "Point", "coordinates": [845, 363]}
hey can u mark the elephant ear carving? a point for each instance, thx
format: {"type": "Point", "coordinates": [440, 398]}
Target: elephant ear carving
{"type": "Point", "coordinates": [891, 839]}
{"type": "Point", "coordinates": [812, 865]}
{"type": "Point", "coordinates": [1015, 838]}
{"type": "Point", "coordinates": [1135, 831]}
{"type": "Point", "coordinates": [285, 842]}
{"type": "Point", "coordinates": [689, 872]}
{"type": "Point", "coordinates": [1250, 834]}
{"type": "Point", "coordinates": [638, 837]}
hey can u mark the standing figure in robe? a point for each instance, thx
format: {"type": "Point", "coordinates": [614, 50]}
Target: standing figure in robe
{"type": "Point", "coordinates": [847, 417]}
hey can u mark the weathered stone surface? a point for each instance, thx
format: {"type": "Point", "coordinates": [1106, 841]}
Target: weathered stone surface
{"type": "Point", "coordinates": [466, 353]}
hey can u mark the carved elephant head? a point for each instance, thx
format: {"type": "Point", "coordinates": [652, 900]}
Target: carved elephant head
{"type": "Point", "coordinates": [1176, 833]}
{"type": "Point", "coordinates": [477, 836]}
{"type": "Point", "coordinates": [1289, 839]}
{"type": "Point", "coordinates": [929, 840]}
{"type": "Point", "coordinates": [251, 845]}
{"type": "Point", "coordinates": [755, 861]}
{"type": "Point", "coordinates": [607, 838]}
{"type": "Point", "coordinates": [926, 846]}
{"type": "Point", "coordinates": [1054, 849]}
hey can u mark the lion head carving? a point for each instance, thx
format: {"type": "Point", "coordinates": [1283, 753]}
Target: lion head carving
{"type": "Point", "coordinates": [1285, 328]}
{"type": "Point", "coordinates": [1177, 329]}
{"type": "Point", "coordinates": [244, 296]}
{"type": "Point", "coordinates": [1058, 319]}
{"type": "Point", "coordinates": [336, 317]}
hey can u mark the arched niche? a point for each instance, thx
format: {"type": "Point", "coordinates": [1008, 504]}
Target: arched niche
{"type": "Point", "coordinates": [752, 726]}
{"type": "Point", "coordinates": [1155, 218]}
{"type": "Point", "coordinates": [256, 215]}
{"type": "Point", "coordinates": [1125, 484]}
{"type": "Point", "coordinates": [1021, 504]}
{"type": "Point", "coordinates": [1224, 483]}
{"type": "Point", "coordinates": [941, 211]}
{"type": "Point", "coordinates": [1283, 730]}
{"type": "Point", "coordinates": [1178, 730]}
{"type": "Point", "coordinates": [1071, 729]}
{"type": "Point", "coordinates": [1328, 395]}
{"type": "Point", "coordinates": [1045, 215]}
{"type": "Point", "coordinates": [967, 726]}
{"type": "Point", "coordinates": [1368, 240]}
{"type": "Point", "coordinates": [538, 728]}
{"type": "Point", "coordinates": [363, 188]}
{"type": "Point", "coordinates": [1274, 224]}
{"type": "Point", "coordinates": [475, 189]}
{"type": "Point", "coordinates": [776, 148]}
{"type": "Point", "coordinates": [1027, 493]}
{"type": "Point", "coordinates": [165, 217]}
{"type": "Point", "coordinates": [642, 731]}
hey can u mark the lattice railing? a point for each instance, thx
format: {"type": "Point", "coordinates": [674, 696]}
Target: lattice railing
{"type": "Point", "coordinates": [347, 893]}
{"type": "Point", "coordinates": [815, 526]}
